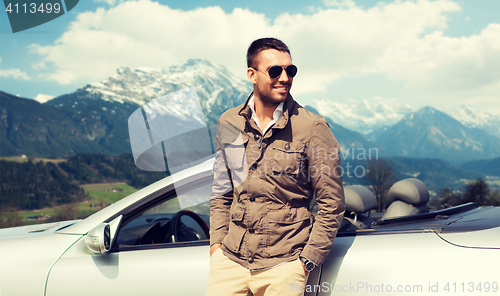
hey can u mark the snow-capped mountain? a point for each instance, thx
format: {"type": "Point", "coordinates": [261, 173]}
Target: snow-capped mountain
{"type": "Point", "coordinates": [216, 87]}
{"type": "Point", "coordinates": [365, 116]}
{"type": "Point", "coordinates": [141, 85]}
{"type": "Point", "coordinates": [477, 119]}
{"type": "Point", "coordinates": [431, 133]}
{"type": "Point", "coordinates": [41, 98]}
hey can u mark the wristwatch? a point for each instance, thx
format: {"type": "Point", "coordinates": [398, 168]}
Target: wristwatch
{"type": "Point", "coordinates": [308, 264]}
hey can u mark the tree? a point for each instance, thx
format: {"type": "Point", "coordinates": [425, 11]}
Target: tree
{"type": "Point", "coordinates": [10, 218]}
{"type": "Point", "coordinates": [476, 192]}
{"type": "Point", "coordinates": [382, 175]}
{"type": "Point", "coordinates": [493, 198]}
{"type": "Point", "coordinates": [448, 197]}
{"type": "Point", "coordinates": [65, 212]}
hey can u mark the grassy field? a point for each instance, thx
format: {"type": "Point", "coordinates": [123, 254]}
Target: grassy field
{"type": "Point", "coordinates": [493, 184]}
{"type": "Point", "coordinates": [44, 212]}
{"type": "Point", "coordinates": [101, 195]}
{"type": "Point", "coordinates": [108, 192]}
{"type": "Point", "coordinates": [35, 160]}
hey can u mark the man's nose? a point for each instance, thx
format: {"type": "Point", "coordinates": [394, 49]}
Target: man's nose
{"type": "Point", "coordinates": [283, 77]}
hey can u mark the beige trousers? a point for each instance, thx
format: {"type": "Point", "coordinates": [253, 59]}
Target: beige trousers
{"type": "Point", "coordinates": [227, 277]}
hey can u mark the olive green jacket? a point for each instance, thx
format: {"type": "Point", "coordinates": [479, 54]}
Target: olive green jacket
{"type": "Point", "coordinates": [266, 220]}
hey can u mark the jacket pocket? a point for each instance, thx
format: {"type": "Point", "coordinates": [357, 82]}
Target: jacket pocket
{"type": "Point", "coordinates": [287, 159]}
{"type": "Point", "coordinates": [234, 237]}
{"type": "Point", "coordinates": [288, 230]}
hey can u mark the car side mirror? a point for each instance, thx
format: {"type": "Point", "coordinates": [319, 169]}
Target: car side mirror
{"type": "Point", "coordinates": [98, 240]}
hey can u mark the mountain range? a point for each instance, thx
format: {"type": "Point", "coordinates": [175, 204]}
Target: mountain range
{"type": "Point", "coordinates": [217, 88]}
{"type": "Point", "coordinates": [476, 119]}
{"type": "Point", "coordinates": [429, 132]}
{"type": "Point", "coordinates": [94, 117]}
{"type": "Point", "coordinates": [365, 117]}
{"type": "Point", "coordinates": [372, 117]}
{"type": "Point", "coordinates": [489, 167]}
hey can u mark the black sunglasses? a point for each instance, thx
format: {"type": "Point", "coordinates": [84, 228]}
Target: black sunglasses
{"type": "Point", "coordinates": [275, 71]}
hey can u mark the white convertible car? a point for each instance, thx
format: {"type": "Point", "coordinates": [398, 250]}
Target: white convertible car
{"type": "Point", "coordinates": [146, 245]}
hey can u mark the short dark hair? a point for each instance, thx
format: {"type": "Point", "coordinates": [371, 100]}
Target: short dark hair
{"type": "Point", "coordinates": [262, 44]}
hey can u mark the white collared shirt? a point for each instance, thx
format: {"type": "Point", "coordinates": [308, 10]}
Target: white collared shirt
{"type": "Point", "coordinates": [278, 112]}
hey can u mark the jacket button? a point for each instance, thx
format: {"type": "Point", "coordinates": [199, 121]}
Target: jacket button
{"type": "Point", "coordinates": [250, 260]}
{"type": "Point", "coordinates": [256, 137]}
{"type": "Point", "coordinates": [252, 199]}
{"type": "Point", "coordinates": [251, 230]}
{"type": "Point", "coordinates": [287, 147]}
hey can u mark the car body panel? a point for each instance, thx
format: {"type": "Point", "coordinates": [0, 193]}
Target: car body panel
{"type": "Point", "coordinates": [33, 230]}
{"type": "Point", "coordinates": [487, 238]}
{"type": "Point", "coordinates": [423, 260]}
{"type": "Point", "coordinates": [170, 270]}
{"type": "Point", "coordinates": [26, 261]}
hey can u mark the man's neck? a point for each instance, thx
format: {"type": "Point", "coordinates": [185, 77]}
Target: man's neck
{"type": "Point", "coordinates": [264, 110]}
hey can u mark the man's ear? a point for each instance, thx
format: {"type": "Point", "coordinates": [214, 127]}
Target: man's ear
{"type": "Point", "coordinates": [251, 74]}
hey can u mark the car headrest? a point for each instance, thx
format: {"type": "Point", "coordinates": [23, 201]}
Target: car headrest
{"type": "Point", "coordinates": [412, 191]}
{"type": "Point", "coordinates": [359, 199]}
{"type": "Point", "coordinates": [400, 208]}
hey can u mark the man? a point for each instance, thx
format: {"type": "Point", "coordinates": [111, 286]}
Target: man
{"type": "Point", "coordinates": [272, 157]}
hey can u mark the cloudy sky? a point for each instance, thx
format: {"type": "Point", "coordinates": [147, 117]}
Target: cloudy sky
{"type": "Point", "coordinates": [440, 53]}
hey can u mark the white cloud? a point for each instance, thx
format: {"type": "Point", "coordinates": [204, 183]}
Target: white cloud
{"type": "Point", "coordinates": [447, 69]}
{"type": "Point", "coordinates": [110, 2]}
{"type": "Point", "coordinates": [15, 73]}
{"type": "Point", "coordinates": [39, 66]}
{"type": "Point", "coordinates": [402, 40]}
{"type": "Point", "coordinates": [340, 3]}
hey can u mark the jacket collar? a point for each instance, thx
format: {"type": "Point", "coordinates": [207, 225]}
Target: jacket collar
{"type": "Point", "coordinates": [246, 112]}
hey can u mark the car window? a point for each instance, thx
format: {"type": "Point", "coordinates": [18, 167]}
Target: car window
{"type": "Point", "coordinates": [167, 222]}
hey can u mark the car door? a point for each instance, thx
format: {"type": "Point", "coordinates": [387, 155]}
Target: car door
{"type": "Point", "coordinates": [179, 270]}
{"type": "Point", "coordinates": [142, 261]}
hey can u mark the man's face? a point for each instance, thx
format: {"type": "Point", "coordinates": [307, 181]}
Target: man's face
{"type": "Point", "coordinates": [270, 90]}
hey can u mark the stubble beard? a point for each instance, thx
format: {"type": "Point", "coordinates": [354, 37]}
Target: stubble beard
{"type": "Point", "coordinates": [269, 101]}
